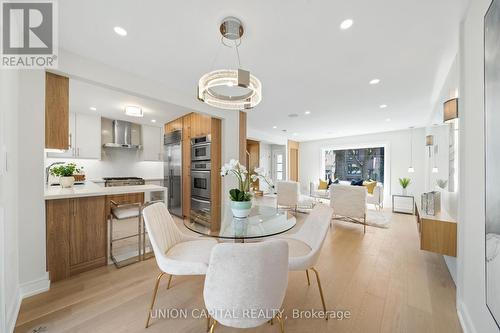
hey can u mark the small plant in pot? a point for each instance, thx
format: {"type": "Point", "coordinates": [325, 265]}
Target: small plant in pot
{"type": "Point", "coordinates": [404, 182]}
{"type": "Point", "coordinates": [66, 173]}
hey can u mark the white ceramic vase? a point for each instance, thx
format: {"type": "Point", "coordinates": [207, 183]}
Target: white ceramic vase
{"type": "Point", "coordinates": [67, 182]}
{"type": "Point", "coordinates": [241, 209]}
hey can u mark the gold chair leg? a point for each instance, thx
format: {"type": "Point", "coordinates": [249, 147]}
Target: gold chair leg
{"type": "Point", "coordinates": [281, 321]}
{"type": "Point", "coordinates": [208, 323]}
{"type": "Point", "coordinates": [320, 290]}
{"type": "Point", "coordinates": [154, 297]}
{"type": "Point", "coordinates": [212, 328]}
{"type": "Point", "coordinates": [169, 281]}
{"type": "Point", "coordinates": [308, 280]}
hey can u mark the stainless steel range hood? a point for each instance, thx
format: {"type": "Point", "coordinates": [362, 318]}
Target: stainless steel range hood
{"type": "Point", "coordinates": [122, 136]}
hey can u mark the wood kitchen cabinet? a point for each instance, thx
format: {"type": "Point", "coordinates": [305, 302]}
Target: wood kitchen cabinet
{"type": "Point", "coordinates": [196, 125]}
{"type": "Point", "coordinates": [76, 236]}
{"type": "Point", "coordinates": [56, 111]}
{"type": "Point", "coordinates": [200, 125]}
{"type": "Point", "coordinates": [174, 125]}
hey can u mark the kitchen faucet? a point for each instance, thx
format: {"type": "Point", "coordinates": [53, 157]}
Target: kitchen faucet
{"type": "Point", "coordinates": [47, 170]}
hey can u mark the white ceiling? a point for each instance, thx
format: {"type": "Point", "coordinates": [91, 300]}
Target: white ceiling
{"type": "Point", "coordinates": [111, 103]}
{"type": "Point", "coordinates": [304, 61]}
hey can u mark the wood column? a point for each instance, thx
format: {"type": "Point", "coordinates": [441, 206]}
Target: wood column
{"type": "Point", "coordinates": [293, 160]}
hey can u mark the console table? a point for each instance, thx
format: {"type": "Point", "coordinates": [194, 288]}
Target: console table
{"type": "Point", "coordinates": [438, 233]}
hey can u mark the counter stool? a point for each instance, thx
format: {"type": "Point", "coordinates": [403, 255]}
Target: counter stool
{"type": "Point", "coordinates": [120, 212]}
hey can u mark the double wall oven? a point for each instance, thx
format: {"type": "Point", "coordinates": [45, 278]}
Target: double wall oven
{"type": "Point", "coordinates": [200, 180]}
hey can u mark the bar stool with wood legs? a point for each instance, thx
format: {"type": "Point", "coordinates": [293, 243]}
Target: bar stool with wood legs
{"type": "Point", "coordinates": [121, 212]}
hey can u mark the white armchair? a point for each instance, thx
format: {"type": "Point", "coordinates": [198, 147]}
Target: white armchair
{"type": "Point", "coordinates": [243, 278]}
{"type": "Point", "coordinates": [315, 192]}
{"type": "Point", "coordinates": [288, 195]}
{"type": "Point", "coordinates": [377, 197]}
{"type": "Point", "coordinates": [349, 202]}
{"type": "Point", "coordinates": [175, 252]}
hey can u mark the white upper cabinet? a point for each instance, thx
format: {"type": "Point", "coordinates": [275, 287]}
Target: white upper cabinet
{"type": "Point", "coordinates": [84, 137]}
{"type": "Point", "coordinates": [152, 143]}
{"type": "Point", "coordinates": [88, 136]}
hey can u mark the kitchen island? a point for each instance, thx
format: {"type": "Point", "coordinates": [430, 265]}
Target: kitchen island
{"type": "Point", "coordinates": [77, 224]}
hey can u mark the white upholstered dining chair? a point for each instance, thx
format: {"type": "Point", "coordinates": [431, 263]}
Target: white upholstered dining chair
{"type": "Point", "coordinates": [243, 278]}
{"type": "Point", "coordinates": [175, 252]}
{"type": "Point", "coordinates": [305, 245]}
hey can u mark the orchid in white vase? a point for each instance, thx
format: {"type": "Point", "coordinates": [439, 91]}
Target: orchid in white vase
{"type": "Point", "coordinates": [241, 197]}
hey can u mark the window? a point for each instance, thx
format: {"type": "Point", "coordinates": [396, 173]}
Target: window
{"type": "Point", "coordinates": [279, 167]}
{"type": "Point", "coordinates": [355, 164]}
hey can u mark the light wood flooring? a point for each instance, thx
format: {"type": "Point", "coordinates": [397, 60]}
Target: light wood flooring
{"type": "Point", "coordinates": [382, 278]}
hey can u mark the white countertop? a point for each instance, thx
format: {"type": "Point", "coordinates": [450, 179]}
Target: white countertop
{"type": "Point", "coordinates": [101, 181]}
{"type": "Point", "coordinates": [90, 189]}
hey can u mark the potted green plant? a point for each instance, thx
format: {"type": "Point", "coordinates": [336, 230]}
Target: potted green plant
{"type": "Point", "coordinates": [65, 173]}
{"type": "Point", "coordinates": [241, 197]}
{"type": "Point", "coordinates": [404, 182]}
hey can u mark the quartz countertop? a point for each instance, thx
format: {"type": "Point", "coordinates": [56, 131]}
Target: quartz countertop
{"type": "Point", "coordinates": [90, 189]}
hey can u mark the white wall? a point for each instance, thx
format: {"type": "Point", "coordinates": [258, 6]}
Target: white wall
{"type": "Point", "coordinates": [397, 158]}
{"type": "Point", "coordinates": [31, 138]}
{"type": "Point", "coordinates": [9, 259]}
{"type": "Point", "coordinates": [471, 302]}
{"type": "Point", "coordinates": [116, 163]}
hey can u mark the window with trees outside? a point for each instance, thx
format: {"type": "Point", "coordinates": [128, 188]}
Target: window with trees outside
{"type": "Point", "coordinates": [355, 164]}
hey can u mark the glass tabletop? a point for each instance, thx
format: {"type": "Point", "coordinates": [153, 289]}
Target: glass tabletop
{"type": "Point", "coordinates": [264, 221]}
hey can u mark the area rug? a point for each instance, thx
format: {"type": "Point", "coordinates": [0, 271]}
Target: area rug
{"type": "Point", "coordinates": [378, 218]}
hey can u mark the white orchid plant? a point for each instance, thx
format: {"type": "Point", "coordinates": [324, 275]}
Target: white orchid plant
{"type": "Point", "coordinates": [242, 193]}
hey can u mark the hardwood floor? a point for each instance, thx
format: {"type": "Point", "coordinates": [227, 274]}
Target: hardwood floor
{"type": "Point", "coordinates": [382, 278]}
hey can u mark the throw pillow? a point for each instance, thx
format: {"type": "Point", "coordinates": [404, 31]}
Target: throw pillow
{"type": "Point", "coordinates": [370, 185]}
{"type": "Point", "coordinates": [323, 185]}
{"type": "Point", "coordinates": [357, 182]}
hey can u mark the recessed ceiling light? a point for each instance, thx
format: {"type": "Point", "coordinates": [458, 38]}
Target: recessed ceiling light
{"type": "Point", "coordinates": [275, 127]}
{"type": "Point", "coordinates": [382, 106]}
{"type": "Point", "coordinates": [375, 81]}
{"type": "Point", "coordinates": [307, 112]}
{"type": "Point", "coordinates": [153, 120]}
{"type": "Point", "coordinates": [346, 24]}
{"type": "Point", "coordinates": [134, 111]}
{"type": "Point", "coordinates": [388, 119]}
{"type": "Point", "coordinates": [120, 31]}
{"type": "Point", "coordinates": [93, 108]}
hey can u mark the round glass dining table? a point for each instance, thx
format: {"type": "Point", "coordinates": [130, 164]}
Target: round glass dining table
{"type": "Point", "coordinates": [263, 221]}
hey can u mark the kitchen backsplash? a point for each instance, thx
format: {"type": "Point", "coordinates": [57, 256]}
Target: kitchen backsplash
{"type": "Point", "coordinates": [116, 163]}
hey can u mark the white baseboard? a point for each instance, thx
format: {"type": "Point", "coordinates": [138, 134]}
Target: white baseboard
{"type": "Point", "coordinates": [34, 287]}
{"type": "Point", "coordinates": [25, 290]}
{"type": "Point", "coordinates": [13, 311]}
{"type": "Point", "coordinates": [464, 318]}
